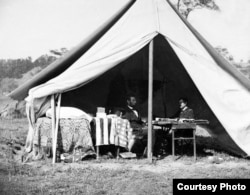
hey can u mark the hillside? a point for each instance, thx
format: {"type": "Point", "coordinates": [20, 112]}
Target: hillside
{"type": "Point", "coordinates": [14, 73]}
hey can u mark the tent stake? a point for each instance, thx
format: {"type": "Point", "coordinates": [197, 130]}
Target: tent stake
{"type": "Point", "coordinates": [56, 127]}
{"type": "Point", "coordinates": [150, 97]}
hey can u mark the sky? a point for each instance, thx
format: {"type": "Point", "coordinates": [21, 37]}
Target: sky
{"type": "Point", "coordinates": [229, 28]}
{"type": "Point", "coordinates": [33, 27]}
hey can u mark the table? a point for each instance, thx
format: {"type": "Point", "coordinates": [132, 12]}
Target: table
{"type": "Point", "coordinates": [112, 131]}
{"type": "Point", "coordinates": [181, 131]}
{"type": "Point", "coordinates": [188, 133]}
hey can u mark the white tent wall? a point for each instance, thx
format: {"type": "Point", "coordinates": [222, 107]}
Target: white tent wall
{"type": "Point", "coordinates": [121, 41]}
{"type": "Point", "coordinates": [171, 81]}
{"type": "Point", "coordinates": [227, 98]}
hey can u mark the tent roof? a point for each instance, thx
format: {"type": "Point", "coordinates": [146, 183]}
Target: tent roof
{"type": "Point", "coordinates": [224, 89]}
{"type": "Point", "coordinates": [157, 17]}
{"type": "Point", "coordinates": [60, 65]}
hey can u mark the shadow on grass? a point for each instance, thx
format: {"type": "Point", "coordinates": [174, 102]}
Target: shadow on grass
{"type": "Point", "coordinates": [205, 146]}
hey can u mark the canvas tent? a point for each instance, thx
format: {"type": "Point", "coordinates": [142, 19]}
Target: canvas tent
{"type": "Point", "coordinates": [184, 65]}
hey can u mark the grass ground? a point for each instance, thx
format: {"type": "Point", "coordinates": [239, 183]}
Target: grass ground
{"type": "Point", "coordinates": [111, 176]}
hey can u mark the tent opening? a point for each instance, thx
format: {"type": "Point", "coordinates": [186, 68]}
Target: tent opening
{"type": "Point", "coordinates": [171, 81]}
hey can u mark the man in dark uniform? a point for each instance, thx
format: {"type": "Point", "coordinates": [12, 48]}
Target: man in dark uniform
{"type": "Point", "coordinates": [185, 112]}
{"type": "Point", "coordinates": [140, 128]}
{"type": "Point", "coordinates": [132, 114]}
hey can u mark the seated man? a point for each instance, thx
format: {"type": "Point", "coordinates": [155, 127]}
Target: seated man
{"type": "Point", "coordinates": [132, 114]}
{"type": "Point", "coordinates": [139, 127]}
{"type": "Point", "coordinates": [185, 112]}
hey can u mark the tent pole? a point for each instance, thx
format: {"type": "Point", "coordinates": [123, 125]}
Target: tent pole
{"type": "Point", "coordinates": [150, 98]}
{"type": "Point", "coordinates": [52, 101]}
{"type": "Point", "coordinates": [56, 128]}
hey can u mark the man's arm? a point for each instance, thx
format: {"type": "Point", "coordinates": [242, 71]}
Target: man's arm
{"type": "Point", "coordinates": [190, 114]}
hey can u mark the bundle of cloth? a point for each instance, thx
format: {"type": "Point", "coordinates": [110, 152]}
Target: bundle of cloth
{"type": "Point", "coordinates": [74, 141]}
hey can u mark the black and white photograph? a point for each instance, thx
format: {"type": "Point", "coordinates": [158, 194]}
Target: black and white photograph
{"type": "Point", "coordinates": [118, 97]}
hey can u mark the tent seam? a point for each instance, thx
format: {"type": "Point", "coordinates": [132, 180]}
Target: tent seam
{"type": "Point", "coordinates": [188, 51]}
{"type": "Point", "coordinates": [157, 16]}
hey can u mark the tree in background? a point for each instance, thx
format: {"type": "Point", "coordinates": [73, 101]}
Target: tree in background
{"type": "Point", "coordinates": [225, 53]}
{"type": "Point", "coordinates": [14, 68]}
{"type": "Point", "coordinates": [60, 52]}
{"type": "Point", "coordinates": [14, 72]}
{"type": "Point", "coordinates": [44, 60]}
{"type": "Point", "coordinates": [244, 68]}
{"type": "Point", "coordinates": [186, 6]}
{"type": "Point", "coordinates": [7, 85]}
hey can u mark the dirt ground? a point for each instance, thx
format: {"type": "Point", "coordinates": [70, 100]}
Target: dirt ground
{"type": "Point", "coordinates": [108, 176]}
